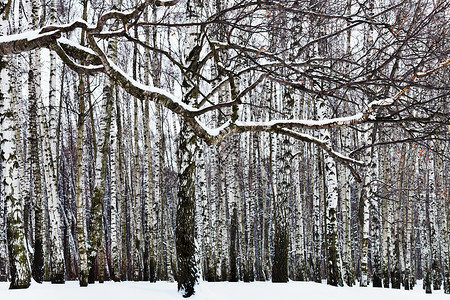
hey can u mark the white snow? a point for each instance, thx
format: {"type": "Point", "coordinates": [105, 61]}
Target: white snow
{"type": "Point", "coordinates": [151, 89]}
{"type": "Point", "coordinates": [382, 102]}
{"type": "Point", "coordinates": [28, 35]}
{"type": "Point", "coordinates": [213, 131]}
{"type": "Point", "coordinates": [304, 123]}
{"type": "Point", "coordinates": [211, 291]}
{"type": "Point", "coordinates": [63, 40]}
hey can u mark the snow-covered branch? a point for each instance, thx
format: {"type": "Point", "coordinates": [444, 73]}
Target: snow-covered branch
{"type": "Point", "coordinates": [93, 60]}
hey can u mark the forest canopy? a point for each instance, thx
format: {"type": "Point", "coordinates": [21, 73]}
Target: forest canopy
{"type": "Point", "coordinates": [228, 140]}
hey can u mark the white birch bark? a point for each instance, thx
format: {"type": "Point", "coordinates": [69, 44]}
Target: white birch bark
{"type": "Point", "coordinates": [18, 256]}
{"type": "Point", "coordinates": [149, 238]}
{"type": "Point", "coordinates": [434, 212]}
{"type": "Point", "coordinates": [423, 226]}
{"type": "Point", "coordinates": [34, 93]}
{"type": "Point", "coordinates": [81, 221]}
{"type": "Point", "coordinates": [334, 267]}
{"type": "Point", "coordinates": [365, 199]}
{"type": "Point", "coordinates": [57, 265]}
{"type": "Point", "coordinates": [317, 229]}
{"type": "Point", "coordinates": [136, 181]}
{"type": "Point", "coordinates": [265, 253]}
{"type": "Point", "coordinates": [187, 151]}
{"type": "Point", "coordinates": [441, 194]}
{"type": "Point", "coordinates": [202, 215]}
{"type": "Point", "coordinates": [115, 202]}
{"type": "Point", "coordinates": [298, 241]}
{"type": "Point", "coordinates": [346, 209]}
{"type": "Point", "coordinates": [280, 269]}
{"type": "Point", "coordinates": [408, 277]}
{"type": "Point", "coordinates": [387, 219]}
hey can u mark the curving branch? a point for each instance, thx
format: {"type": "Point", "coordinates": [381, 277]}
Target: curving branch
{"type": "Point", "coordinates": [96, 61]}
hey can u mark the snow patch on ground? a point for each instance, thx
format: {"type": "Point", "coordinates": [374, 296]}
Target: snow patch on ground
{"type": "Point", "coordinates": [210, 291]}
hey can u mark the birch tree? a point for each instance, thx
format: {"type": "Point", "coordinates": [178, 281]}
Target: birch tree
{"type": "Point", "coordinates": [217, 79]}
{"type": "Point", "coordinates": [19, 264]}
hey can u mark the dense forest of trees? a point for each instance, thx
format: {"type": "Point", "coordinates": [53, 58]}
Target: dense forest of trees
{"type": "Point", "coordinates": [225, 140]}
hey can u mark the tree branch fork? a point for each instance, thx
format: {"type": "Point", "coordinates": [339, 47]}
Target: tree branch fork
{"type": "Point", "coordinates": [95, 61]}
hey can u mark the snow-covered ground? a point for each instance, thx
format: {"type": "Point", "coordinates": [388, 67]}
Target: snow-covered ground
{"type": "Point", "coordinates": [210, 291]}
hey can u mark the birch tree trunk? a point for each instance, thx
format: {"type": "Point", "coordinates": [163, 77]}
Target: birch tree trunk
{"type": "Point", "coordinates": [97, 249]}
{"type": "Point", "coordinates": [281, 239]}
{"type": "Point", "coordinates": [441, 195]}
{"type": "Point", "coordinates": [34, 93]}
{"type": "Point", "coordinates": [435, 237]}
{"type": "Point", "coordinates": [366, 202]}
{"type": "Point", "coordinates": [149, 252]}
{"type": "Point", "coordinates": [397, 261]}
{"type": "Point", "coordinates": [409, 221]}
{"type": "Point", "coordinates": [317, 229]}
{"type": "Point", "coordinates": [122, 199]}
{"type": "Point", "coordinates": [19, 265]}
{"type": "Point", "coordinates": [187, 151]}
{"type": "Point", "coordinates": [387, 218]}
{"type": "Point", "coordinates": [334, 268]}
{"type": "Point", "coordinates": [136, 182]}
{"type": "Point", "coordinates": [265, 253]}
{"type": "Point", "coordinates": [115, 201]}
{"type": "Point", "coordinates": [82, 247]}
{"type": "Point", "coordinates": [50, 155]}
{"type": "Point", "coordinates": [3, 240]}
{"type": "Point", "coordinates": [348, 266]}
{"type": "Point", "coordinates": [423, 225]}
{"type": "Point", "coordinates": [57, 269]}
